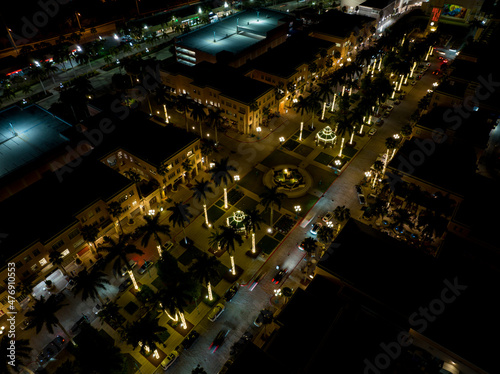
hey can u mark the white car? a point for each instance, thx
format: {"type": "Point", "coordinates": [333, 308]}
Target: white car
{"type": "Point", "coordinates": [169, 360]}
{"type": "Point", "coordinates": [315, 228]}
{"type": "Point", "coordinates": [327, 217]}
{"type": "Point", "coordinates": [216, 312]}
{"type": "Point", "coordinates": [372, 132]}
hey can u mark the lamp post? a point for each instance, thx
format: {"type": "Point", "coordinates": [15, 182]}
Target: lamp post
{"type": "Point", "coordinates": [259, 129]}
{"type": "Point", "coordinates": [237, 179]}
{"type": "Point", "coordinates": [78, 20]}
{"type": "Point", "coordinates": [297, 210]}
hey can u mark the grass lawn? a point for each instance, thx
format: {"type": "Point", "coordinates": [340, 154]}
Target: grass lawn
{"type": "Point", "coordinates": [349, 151]}
{"type": "Point", "coordinates": [247, 203]}
{"type": "Point", "coordinates": [221, 271]}
{"type": "Point", "coordinates": [266, 214]}
{"type": "Point", "coordinates": [189, 255]}
{"type": "Point", "coordinates": [303, 150]}
{"type": "Point", "coordinates": [267, 244]}
{"type": "Point", "coordinates": [131, 308]}
{"type": "Point", "coordinates": [324, 158]}
{"type": "Point", "coordinates": [214, 213]}
{"type": "Point", "coordinates": [279, 158]}
{"type": "Point", "coordinates": [306, 202]}
{"type": "Point", "coordinates": [290, 144]}
{"type": "Point", "coordinates": [220, 202]}
{"type": "Point", "coordinates": [253, 182]}
{"type": "Point", "coordinates": [164, 336]}
{"type": "Point", "coordinates": [279, 236]}
{"type": "Point", "coordinates": [131, 365]}
{"type": "Point", "coordinates": [321, 178]}
{"type": "Point", "coordinates": [233, 196]}
{"type": "Point", "coordinates": [204, 297]}
{"type": "Point", "coordinates": [305, 134]}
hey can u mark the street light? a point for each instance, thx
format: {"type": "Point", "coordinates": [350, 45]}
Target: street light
{"type": "Point", "coordinates": [282, 139]}
{"type": "Point", "coordinates": [297, 210]}
{"type": "Point", "coordinates": [78, 19]}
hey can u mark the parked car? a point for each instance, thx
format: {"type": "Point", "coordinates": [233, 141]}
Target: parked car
{"type": "Point", "coordinates": [278, 277]}
{"type": "Point", "coordinates": [216, 312]}
{"type": "Point", "coordinates": [169, 360]}
{"type": "Point", "coordinates": [218, 340]}
{"type": "Point", "coordinates": [372, 131]}
{"type": "Point", "coordinates": [361, 199]}
{"type": "Point", "coordinates": [315, 228]}
{"type": "Point", "coordinates": [231, 292]}
{"type": "Point", "coordinates": [75, 329]}
{"type": "Point", "coordinates": [51, 350]}
{"type": "Point", "coordinates": [327, 217]}
{"type": "Point", "coordinates": [70, 285]}
{"type": "Point", "coordinates": [358, 189]}
{"type": "Point", "coordinates": [132, 264]}
{"type": "Point", "coordinates": [145, 267]}
{"type": "Point", "coordinates": [390, 108]}
{"type": "Point", "coordinates": [190, 339]}
{"type": "Point", "coordinates": [167, 246]}
{"type": "Point", "coordinates": [27, 323]}
{"type": "Point", "coordinates": [397, 102]}
{"type": "Point", "coordinates": [379, 122]}
{"type": "Point", "coordinates": [124, 285]}
{"type": "Point", "coordinates": [301, 245]}
{"type": "Point", "coordinates": [386, 114]}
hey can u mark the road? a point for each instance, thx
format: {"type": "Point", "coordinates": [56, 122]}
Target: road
{"type": "Point", "coordinates": [241, 312]}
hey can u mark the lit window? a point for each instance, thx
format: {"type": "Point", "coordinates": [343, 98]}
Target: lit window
{"type": "Point", "coordinates": [65, 253]}
{"type": "Point", "coordinates": [43, 262]}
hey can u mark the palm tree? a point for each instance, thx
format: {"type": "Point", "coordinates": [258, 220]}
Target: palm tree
{"type": "Point", "coordinates": [391, 144]}
{"type": "Point", "coordinates": [50, 69]}
{"type": "Point", "coordinates": [310, 245]}
{"type": "Point", "coordinates": [180, 216]}
{"type": "Point", "coordinates": [174, 299]}
{"type": "Point", "coordinates": [57, 259]}
{"type": "Point", "coordinates": [22, 350]}
{"type": "Point", "coordinates": [401, 217]}
{"type": "Point", "coordinates": [301, 107]}
{"type": "Point", "coordinates": [432, 224]}
{"type": "Point", "coordinates": [90, 233]}
{"type": "Point", "coordinates": [271, 197]}
{"type": "Point", "coordinates": [89, 284]}
{"type": "Point", "coordinates": [215, 120]}
{"type": "Point", "coordinates": [39, 74]}
{"type": "Point", "coordinates": [227, 237]}
{"type": "Point", "coordinates": [325, 234]}
{"type": "Point", "coordinates": [344, 127]}
{"type": "Point", "coordinates": [183, 103]}
{"type": "Point", "coordinates": [144, 333]}
{"type": "Point", "coordinates": [341, 214]}
{"type": "Point", "coordinates": [187, 166]}
{"type": "Point", "coordinates": [115, 210]}
{"type": "Point", "coordinates": [205, 269]}
{"type": "Point", "coordinates": [153, 228]}
{"type": "Point", "coordinates": [313, 106]}
{"type": "Point", "coordinates": [119, 252]}
{"type": "Point", "coordinates": [44, 312]}
{"type": "Point", "coordinates": [110, 313]}
{"type": "Point", "coordinates": [200, 190]}
{"type": "Point", "coordinates": [324, 93]}
{"type": "Point", "coordinates": [207, 147]}
{"type": "Point", "coordinates": [220, 174]}
{"type": "Point", "coordinates": [198, 114]}
{"type": "Point", "coordinates": [136, 178]}
{"type": "Point", "coordinates": [253, 219]}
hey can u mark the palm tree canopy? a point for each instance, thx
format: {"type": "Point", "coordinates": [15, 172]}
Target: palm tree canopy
{"type": "Point", "coordinates": [271, 196]}
{"type": "Point", "coordinates": [89, 283]}
{"type": "Point", "coordinates": [119, 251]}
{"type": "Point", "coordinates": [144, 331]}
{"type": "Point", "coordinates": [200, 189]}
{"type": "Point", "coordinates": [253, 219]}
{"type": "Point", "coordinates": [309, 244]}
{"type": "Point", "coordinates": [44, 313]}
{"type": "Point", "coordinates": [341, 213]}
{"type": "Point", "coordinates": [228, 237]}
{"type": "Point", "coordinates": [152, 228]}
{"type": "Point", "coordinates": [220, 172]}
{"type": "Point", "coordinates": [204, 268]}
{"type": "Point", "coordinates": [180, 214]}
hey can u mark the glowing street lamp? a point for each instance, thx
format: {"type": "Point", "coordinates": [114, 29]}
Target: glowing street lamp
{"type": "Point", "coordinates": [282, 139]}
{"type": "Point", "coordinates": [297, 210]}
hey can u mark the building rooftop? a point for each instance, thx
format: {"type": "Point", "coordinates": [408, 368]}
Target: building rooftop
{"type": "Point", "coordinates": [49, 205]}
{"type": "Point", "coordinates": [26, 135]}
{"type": "Point", "coordinates": [448, 166]}
{"type": "Point", "coordinates": [253, 26]}
{"type": "Point", "coordinates": [142, 137]}
{"type": "Point", "coordinates": [377, 4]}
{"type": "Point", "coordinates": [225, 79]}
{"type": "Point", "coordinates": [336, 23]}
{"type": "Point", "coordinates": [406, 280]}
{"type": "Point", "coordinates": [283, 60]}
